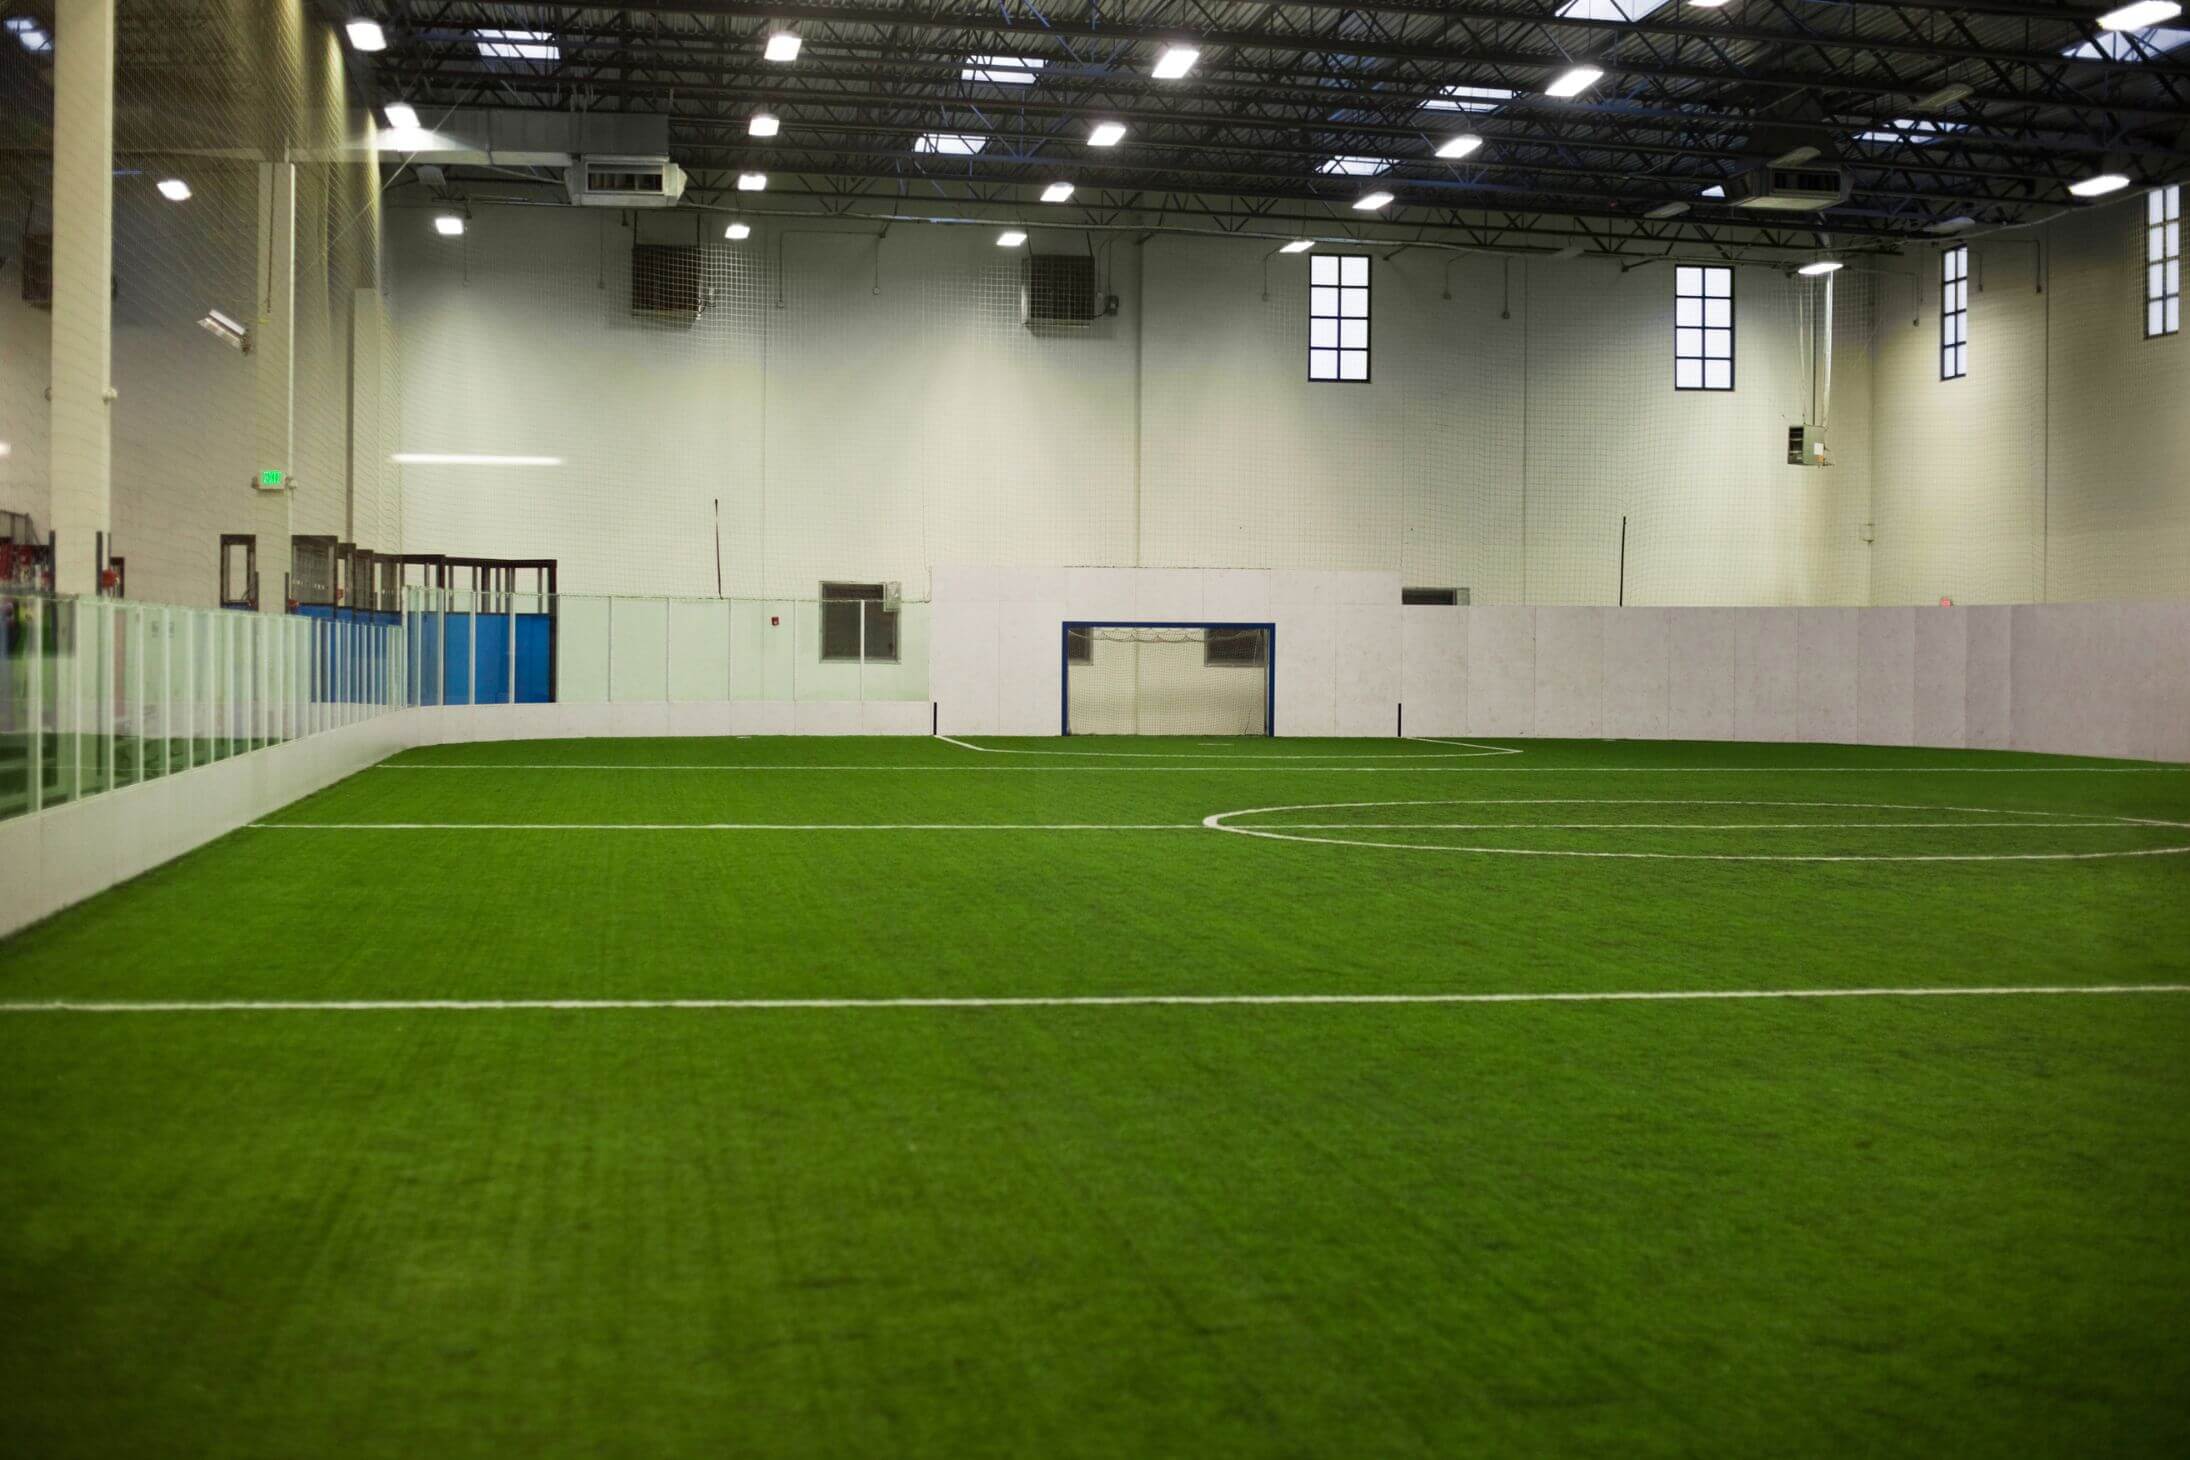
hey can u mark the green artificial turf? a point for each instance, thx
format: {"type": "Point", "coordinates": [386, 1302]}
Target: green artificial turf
{"type": "Point", "coordinates": [1889, 1225]}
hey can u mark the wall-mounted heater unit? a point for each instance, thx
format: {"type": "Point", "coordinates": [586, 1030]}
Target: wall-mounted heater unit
{"type": "Point", "coordinates": [624, 182]}
{"type": "Point", "coordinates": [1059, 288]}
{"type": "Point", "coordinates": [666, 282]}
{"type": "Point", "coordinates": [1806, 446]}
{"type": "Point", "coordinates": [1788, 189]}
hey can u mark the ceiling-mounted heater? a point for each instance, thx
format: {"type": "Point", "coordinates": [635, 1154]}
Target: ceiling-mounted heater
{"type": "Point", "coordinates": [1788, 189]}
{"type": "Point", "coordinates": [624, 182]}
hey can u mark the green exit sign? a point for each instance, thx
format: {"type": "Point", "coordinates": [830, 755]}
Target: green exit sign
{"type": "Point", "coordinates": [272, 481]}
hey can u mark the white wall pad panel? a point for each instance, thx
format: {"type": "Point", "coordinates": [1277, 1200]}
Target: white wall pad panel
{"type": "Point", "coordinates": [1570, 672]}
{"type": "Point", "coordinates": [1501, 670]}
{"type": "Point", "coordinates": [1939, 673]}
{"type": "Point", "coordinates": [1368, 669]}
{"type": "Point", "coordinates": [1988, 712]}
{"type": "Point", "coordinates": [2164, 636]}
{"type": "Point", "coordinates": [1100, 593]}
{"type": "Point", "coordinates": [1032, 585]}
{"type": "Point", "coordinates": [710, 717]}
{"type": "Point", "coordinates": [1308, 650]}
{"type": "Point", "coordinates": [964, 583]}
{"type": "Point", "coordinates": [1638, 672]}
{"type": "Point", "coordinates": [1700, 676]}
{"type": "Point", "coordinates": [1290, 586]}
{"type": "Point", "coordinates": [763, 717]}
{"type": "Point", "coordinates": [896, 717]}
{"type": "Point", "coordinates": [1168, 594]}
{"type": "Point", "coordinates": [1765, 678]}
{"type": "Point", "coordinates": [1236, 595]}
{"type": "Point", "coordinates": [2071, 679]}
{"type": "Point", "coordinates": [23, 891]}
{"type": "Point", "coordinates": [962, 664]}
{"type": "Point", "coordinates": [1434, 670]}
{"type": "Point", "coordinates": [1885, 675]}
{"type": "Point", "coordinates": [825, 717]}
{"type": "Point", "coordinates": [1029, 668]}
{"type": "Point", "coordinates": [1826, 678]}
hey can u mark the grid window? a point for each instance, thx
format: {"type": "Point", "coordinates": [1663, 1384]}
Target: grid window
{"type": "Point", "coordinates": [1954, 313]}
{"type": "Point", "coordinates": [856, 616]}
{"type": "Point", "coordinates": [2163, 261]}
{"type": "Point", "coordinates": [1338, 316]}
{"type": "Point", "coordinates": [1703, 329]}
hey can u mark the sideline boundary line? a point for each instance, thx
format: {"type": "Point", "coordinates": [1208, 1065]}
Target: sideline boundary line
{"type": "Point", "coordinates": [1060, 1001]}
{"type": "Point", "coordinates": [1474, 750]}
{"type": "Point", "coordinates": [1263, 763]}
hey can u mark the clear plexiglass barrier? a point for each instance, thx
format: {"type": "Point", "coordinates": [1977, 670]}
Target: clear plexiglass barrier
{"type": "Point", "coordinates": [485, 648]}
{"type": "Point", "coordinates": [99, 693]}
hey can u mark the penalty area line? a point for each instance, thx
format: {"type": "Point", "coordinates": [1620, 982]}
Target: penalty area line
{"type": "Point", "coordinates": [1057, 1001]}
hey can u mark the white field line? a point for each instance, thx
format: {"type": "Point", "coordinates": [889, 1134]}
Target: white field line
{"type": "Point", "coordinates": [719, 826]}
{"type": "Point", "coordinates": [2124, 825]}
{"type": "Point", "coordinates": [1263, 763]}
{"type": "Point", "coordinates": [1060, 1001]}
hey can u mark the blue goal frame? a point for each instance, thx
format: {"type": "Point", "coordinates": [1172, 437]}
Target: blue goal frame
{"type": "Point", "coordinates": [1064, 659]}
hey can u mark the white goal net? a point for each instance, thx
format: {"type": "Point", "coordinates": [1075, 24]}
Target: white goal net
{"type": "Point", "coordinates": [1124, 679]}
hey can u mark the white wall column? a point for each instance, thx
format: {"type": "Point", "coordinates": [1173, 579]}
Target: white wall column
{"type": "Point", "coordinates": [83, 272]}
{"type": "Point", "coordinates": [273, 346]}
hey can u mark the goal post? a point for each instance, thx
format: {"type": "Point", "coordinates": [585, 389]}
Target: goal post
{"type": "Point", "coordinates": [1168, 678]}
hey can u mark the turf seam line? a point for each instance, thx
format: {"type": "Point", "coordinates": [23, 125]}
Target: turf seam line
{"type": "Point", "coordinates": [1069, 1001]}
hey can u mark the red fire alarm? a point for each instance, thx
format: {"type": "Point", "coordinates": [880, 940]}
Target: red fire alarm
{"type": "Point", "coordinates": [774, 621]}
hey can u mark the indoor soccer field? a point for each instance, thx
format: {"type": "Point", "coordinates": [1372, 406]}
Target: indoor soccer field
{"type": "Point", "coordinates": [1118, 1096]}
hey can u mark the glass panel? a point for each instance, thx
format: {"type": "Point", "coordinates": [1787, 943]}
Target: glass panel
{"type": "Point", "coordinates": [1353, 269]}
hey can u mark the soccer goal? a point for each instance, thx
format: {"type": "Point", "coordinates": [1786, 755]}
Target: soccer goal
{"type": "Point", "coordinates": [1169, 678]}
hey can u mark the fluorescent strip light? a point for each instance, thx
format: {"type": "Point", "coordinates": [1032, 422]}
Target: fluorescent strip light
{"type": "Point", "coordinates": [1575, 81]}
{"type": "Point", "coordinates": [1944, 97]}
{"type": "Point", "coordinates": [1298, 245]}
{"type": "Point", "coordinates": [34, 40]}
{"type": "Point", "coordinates": [174, 189]}
{"type": "Point", "coordinates": [466, 458]}
{"type": "Point", "coordinates": [1951, 225]}
{"type": "Point", "coordinates": [1459, 146]}
{"type": "Point", "coordinates": [1795, 156]}
{"type": "Point", "coordinates": [1667, 210]}
{"type": "Point", "coordinates": [1106, 134]}
{"type": "Point", "coordinates": [782, 46]}
{"type": "Point", "coordinates": [226, 323]}
{"type": "Point", "coordinates": [2140, 14]}
{"type": "Point", "coordinates": [1370, 202]}
{"type": "Point", "coordinates": [1821, 266]}
{"type": "Point", "coordinates": [763, 125]}
{"type": "Point", "coordinates": [1057, 192]}
{"type": "Point", "coordinates": [400, 116]}
{"type": "Point", "coordinates": [1010, 238]}
{"type": "Point", "coordinates": [752, 182]}
{"type": "Point", "coordinates": [1174, 62]}
{"type": "Point", "coordinates": [448, 225]}
{"type": "Point", "coordinates": [2100, 186]}
{"type": "Point", "coordinates": [366, 35]}
{"type": "Point", "coordinates": [1706, 4]}
{"type": "Point", "coordinates": [737, 231]}
{"type": "Point", "coordinates": [5, 448]}
{"type": "Point", "coordinates": [1344, 166]}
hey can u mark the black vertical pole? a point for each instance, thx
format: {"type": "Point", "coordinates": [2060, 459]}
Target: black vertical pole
{"type": "Point", "coordinates": [1623, 560]}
